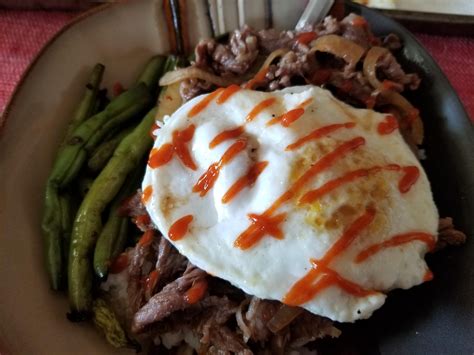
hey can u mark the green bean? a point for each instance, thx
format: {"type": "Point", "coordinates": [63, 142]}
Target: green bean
{"type": "Point", "coordinates": [88, 225]}
{"type": "Point", "coordinates": [87, 105]}
{"type": "Point", "coordinates": [113, 237]}
{"type": "Point", "coordinates": [106, 320]}
{"type": "Point", "coordinates": [66, 221]}
{"type": "Point", "coordinates": [68, 163]}
{"type": "Point", "coordinates": [54, 224]}
{"type": "Point", "coordinates": [152, 72]}
{"type": "Point", "coordinates": [104, 151]}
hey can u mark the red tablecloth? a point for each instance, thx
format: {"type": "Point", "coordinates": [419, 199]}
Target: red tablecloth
{"type": "Point", "coordinates": [23, 33]}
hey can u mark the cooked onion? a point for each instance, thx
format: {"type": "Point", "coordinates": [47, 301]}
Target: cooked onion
{"type": "Point", "coordinates": [340, 47]}
{"type": "Point", "coordinates": [409, 114]}
{"type": "Point", "coordinates": [193, 72]}
{"type": "Point", "coordinates": [241, 322]}
{"type": "Point", "coordinates": [272, 56]}
{"type": "Point", "coordinates": [284, 316]}
{"type": "Point", "coordinates": [370, 65]}
{"type": "Point", "coordinates": [260, 75]}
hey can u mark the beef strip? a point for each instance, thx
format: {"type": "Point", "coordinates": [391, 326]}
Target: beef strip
{"type": "Point", "coordinates": [356, 29]}
{"type": "Point", "coordinates": [257, 316]}
{"type": "Point", "coordinates": [448, 234]}
{"type": "Point", "coordinates": [141, 260]}
{"type": "Point", "coordinates": [170, 299]}
{"type": "Point", "coordinates": [392, 70]}
{"type": "Point", "coordinates": [392, 42]}
{"type": "Point", "coordinates": [308, 327]}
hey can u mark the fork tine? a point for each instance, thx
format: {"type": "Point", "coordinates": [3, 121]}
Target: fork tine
{"type": "Point", "coordinates": [315, 12]}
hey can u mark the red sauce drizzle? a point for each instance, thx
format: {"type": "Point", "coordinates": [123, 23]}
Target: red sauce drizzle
{"type": "Point", "coordinates": [428, 276]}
{"type": "Point", "coordinates": [147, 194]}
{"type": "Point", "coordinates": [321, 277]}
{"type": "Point", "coordinates": [196, 292]}
{"type": "Point", "coordinates": [411, 175]}
{"type": "Point", "coordinates": [208, 179]}
{"type": "Point", "coordinates": [261, 225]}
{"type": "Point", "coordinates": [153, 128]}
{"type": "Point", "coordinates": [245, 181]}
{"type": "Point", "coordinates": [117, 89]}
{"type": "Point", "coordinates": [201, 105]}
{"type": "Point", "coordinates": [227, 93]}
{"type": "Point", "coordinates": [259, 108]}
{"type": "Point", "coordinates": [255, 232]}
{"type": "Point", "coordinates": [146, 238]}
{"type": "Point", "coordinates": [179, 228]}
{"type": "Point", "coordinates": [164, 154]}
{"type": "Point", "coordinates": [142, 220]}
{"type": "Point", "coordinates": [119, 264]}
{"type": "Point", "coordinates": [151, 281]}
{"type": "Point", "coordinates": [226, 135]}
{"type": "Point", "coordinates": [331, 185]}
{"type": "Point", "coordinates": [306, 37]}
{"type": "Point", "coordinates": [257, 79]}
{"type": "Point", "coordinates": [394, 242]}
{"type": "Point", "coordinates": [287, 118]}
{"type": "Point", "coordinates": [387, 126]}
{"type": "Point", "coordinates": [318, 133]}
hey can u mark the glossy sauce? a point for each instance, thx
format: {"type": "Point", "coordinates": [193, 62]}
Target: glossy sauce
{"type": "Point", "coordinates": [318, 133]}
{"type": "Point", "coordinates": [253, 233]}
{"type": "Point", "coordinates": [259, 77]}
{"type": "Point", "coordinates": [331, 185]}
{"type": "Point", "coordinates": [196, 292]}
{"type": "Point", "coordinates": [226, 135]}
{"type": "Point", "coordinates": [227, 93]}
{"type": "Point", "coordinates": [259, 108]}
{"type": "Point", "coordinates": [428, 276]}
{"type": "Point", "coordinates": [164, 154]}
{"type": "Point", "coordinates": [147, 194]}
{"type": "Point", "coordinates": [153, 128]}
{"type": "Point", "coordinates": [201, 105]}
{"type": "Point", "coordinates": [151, 281]}
{"type": "Point", "coordinates": [395, 241]}
{"type": "Point", "coordinates": [410, 177]}
{"type": "Point", "coordinates": [179, 228]}
{"type": "Point", "coordinates": [321, 276]}
{"type": "Point", "coordinates": [287, 118]}
{"type": "Point", "coordinates": [387, 126]}
{"type": "Point", "coordinates": [146, 238]}
{"type": "Point", "coordinates": [209, 178]}
{"type": "Point", "coordinates": [306, 37]}
{"type": "Point", "coordinates": [119, 264]}
{"type": "Point", "coordinates": [245, 181]}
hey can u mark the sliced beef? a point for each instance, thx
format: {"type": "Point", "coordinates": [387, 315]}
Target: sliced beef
{"type": "Point", "coordinates": [169, 261]}
{"type": "Point", "coordinates": [134, 207]}
{"type": "Point", "coordinates": [448, 234]}
{"type": "Point", "coordinates": [226, 342]}
{"type": "Point", "coordinates": [392, 70]}
{"type": "Point", "coordinates": [271, 40]}
{"type": "Point", "coordinates": [170, 299]}
{"type": "Point", "coordinates": [234, 58]}
{"type": "Point", "coordinates": [356, 29]}
{"type": "Point", "coordinates": [308, 327]}
{"type": "Point", "coordinates": [190, 88]}
{"type": "Point", "coordinates": [392, 42]}
{"type": "Point", "coordinates": [257, 316]}
{"type": "Point", "coordinates": [141, 260]}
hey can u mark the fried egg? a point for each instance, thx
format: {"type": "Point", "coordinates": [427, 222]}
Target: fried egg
{"type": "Point", "coordinates": [293, 196]}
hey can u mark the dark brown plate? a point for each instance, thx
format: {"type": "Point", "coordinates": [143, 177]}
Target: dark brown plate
{"type": "Point", "coordinates": [437, 317]}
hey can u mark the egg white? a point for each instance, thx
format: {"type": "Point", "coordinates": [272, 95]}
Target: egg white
{"type": "Point", "coordinates": [270, 268]}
